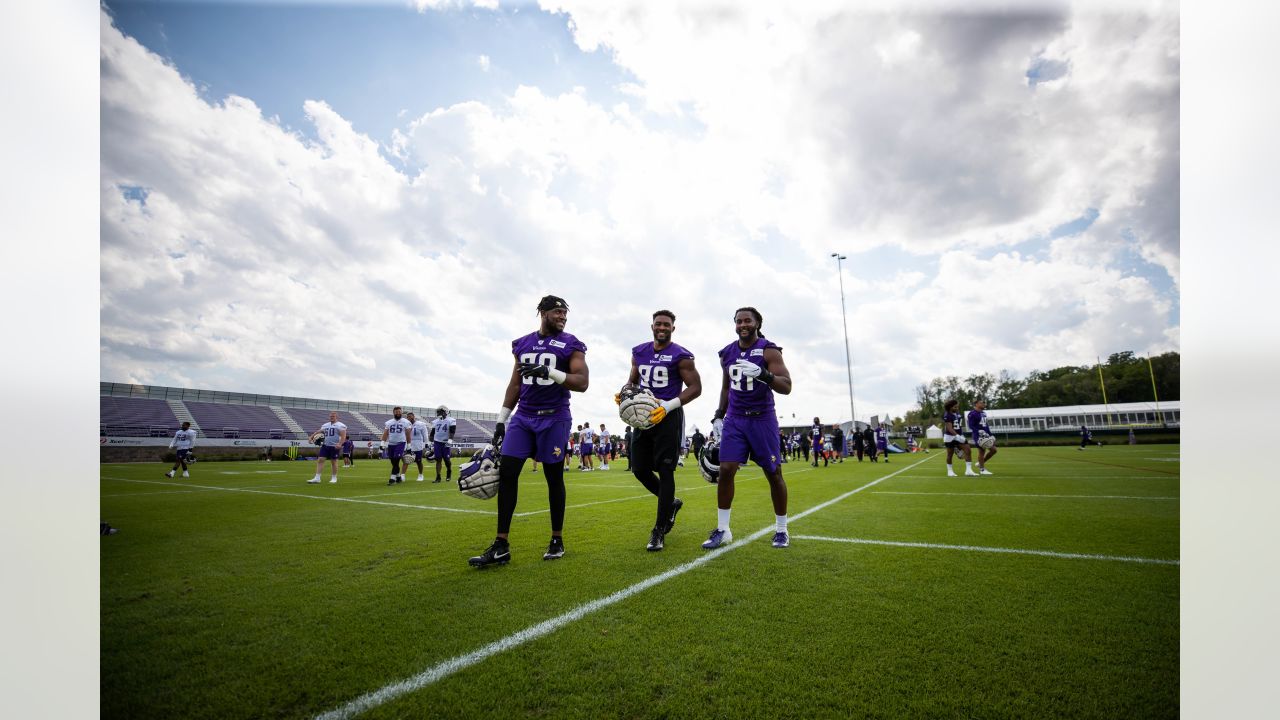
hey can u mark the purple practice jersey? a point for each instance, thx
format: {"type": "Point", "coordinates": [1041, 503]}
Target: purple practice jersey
{"type": "Point", "coordinates": [658, 369]}
{"type": "Point", "coordinates": [977, 421]}
{"type": "Point", "coordinates": [956, 420]}
{"type": "Point", "coordinates": [747, 396]}
{"type": "Point", "coordinates": [543, 397]}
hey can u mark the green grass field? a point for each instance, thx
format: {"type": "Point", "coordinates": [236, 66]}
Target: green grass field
{"type": "Point", "coordinates": [243, 592]}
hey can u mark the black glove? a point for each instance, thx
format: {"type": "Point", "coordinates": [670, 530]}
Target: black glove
{"type": "Point", "coordinates": [534, 370]}
{"type": "Point", "coordinates": [765, 376]}
{"type": "Point", "coordinates": [499, 432]}
{"type": "Point", "coordinates": [718, 416]}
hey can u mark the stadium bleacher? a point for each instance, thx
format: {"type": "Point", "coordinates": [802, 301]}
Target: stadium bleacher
{"type": "Point", "coordinates": [220, 420]}
{"type": "Point", "coordinates": [136, 417]}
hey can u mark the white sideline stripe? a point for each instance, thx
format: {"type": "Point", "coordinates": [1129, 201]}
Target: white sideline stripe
{"type": "Point", "coordinates": [301, 495]}
{"type": "Point", "coordinates": [444, 669]}
{"type": "Point", "coordinates": [976, 548]}
{"type": "Point", "coordinates": [252, 472]}
{"type": "Point", "coordinates": [1012, 476]}
{"type": "Point", "coordinates": [1030, 495]}
{"type": "Point", "coordinates": [158, 492]}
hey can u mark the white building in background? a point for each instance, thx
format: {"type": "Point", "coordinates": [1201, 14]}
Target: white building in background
{"type": "Point", "coordinates": [1069, 418]}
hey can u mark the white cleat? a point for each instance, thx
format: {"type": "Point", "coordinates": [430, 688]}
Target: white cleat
{"type": "Point", "coordinates": [985, 471]}
{"type": "Point", "coordinates": [314, 481]}
{"type": "Point", "coordinates": [951, 473]}
{"type": "Point", "coordinates": [186, 474]}
{"type": "Point", "coordinates": [420, 478]}
{"type": "Point", "coordinates": [333, 480]}
{"type": "Point", "coordinates": [970, 473]}
{"type": "Point", "coordinates": [169, 474]}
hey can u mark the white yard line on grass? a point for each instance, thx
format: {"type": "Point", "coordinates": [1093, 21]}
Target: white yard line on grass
{"type": "Point", "coordinates": [1028, 495]}
{"type": "Point", "coordinates": [301, 495]}
{"type": "Point", "coordinates": [976, 548]}
{"type": "Point", "coordinates": [1012, 476]}
{"type": "Point", "coordinates": [158, 492]}
{"type": "Point", "coordinates": [444, 669]}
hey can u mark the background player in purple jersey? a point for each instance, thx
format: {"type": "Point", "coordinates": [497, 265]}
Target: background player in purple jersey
{"type": "Point", "coordinates": [548, 364]}
{"type": "Point", "coordinates": [745, 421]}
{"type": "Point", "coordinates": [977, 429]}
{"type": "Point", "coordinates": [667, 370]}
{"type": "Point", "coordinates": [955, 438]}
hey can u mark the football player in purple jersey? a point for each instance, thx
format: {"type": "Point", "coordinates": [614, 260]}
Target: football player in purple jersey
{"type": "Point", "coordinates": [549, 363]}
{"type": "Point", "coordinates": [666, 369]}
{"type": "Point", "coordinates": [745, 422]}
{"type": "Point", "coordinates": [955, 438]}
{"type": "Point", "coordinates": [978, 428]}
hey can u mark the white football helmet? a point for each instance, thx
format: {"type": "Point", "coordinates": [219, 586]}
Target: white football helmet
{"type": "Point", "coordinates": [635, 404]}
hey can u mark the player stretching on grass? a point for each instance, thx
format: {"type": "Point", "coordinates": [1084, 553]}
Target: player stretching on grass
{"type": "Point", "coordinates": [185, 441]}
{"type": "Point", "coordinates": [667, 370]}
{"type": "Point", "coordinates": [334, 436]}
{"type": "Point", "coordinates": [745, 421]}
{"type": "Point", "coordinates": [978, 429]}
{"type": "Point", "coordinates": [548, 364]}
{"type": "Point", "coordinates": [955, 438]}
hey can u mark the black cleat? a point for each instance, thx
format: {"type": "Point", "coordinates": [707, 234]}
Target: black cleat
{"type": "Point", "coordinates": [555, 549]}
{"type": "Point", "coordinates": [655, 540]}
{"type": "Point", "coordinates": [392, 481]}
{"type": "Point", "coordinates": [499, 553]}
{"type": "Point", "coordinates": [436, 480]}
{"type": "Point", "coordinates": [675, 510]}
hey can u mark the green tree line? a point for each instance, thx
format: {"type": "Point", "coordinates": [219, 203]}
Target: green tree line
{"type": "Point", "coordinates": [1127, 379]}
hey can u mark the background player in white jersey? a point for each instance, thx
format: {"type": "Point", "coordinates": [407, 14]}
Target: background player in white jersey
{"type": "Point", "coordinates": [443, 428]}
{"type": "Point", "coordinates": [184, 441]}
{"type": "Point", "coordinates": [605, 447]}
{"type": "Point", "coordinates": [418, 432]}
{"type": "Point", "coordinates": [395, 434]}
{"type": "Point", "coordinates": [333, 435]}
{"type": "Point", "coordinates": [587, 441]}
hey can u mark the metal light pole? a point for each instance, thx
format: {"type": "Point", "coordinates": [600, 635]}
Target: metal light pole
{"type": "Point", "coordinates": [848, 361]}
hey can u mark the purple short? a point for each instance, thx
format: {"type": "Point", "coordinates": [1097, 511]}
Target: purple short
{"type": "Point", "coordinates": [587, 449]}
{"type": "Point", "coordinates": [543, 439]}
{"type": "Point", "coordinates": [413, 455]}
{"type": "Point", "coordinates": [751, 438]}
{"type": "Point", "coordinates": [442, 451]}
{"type": "Point", "coordinates": [182, 454]}
{"type": "Point", "coordinates": [329, 452]}
{"type": "Point", "coordinates": [395, 451]}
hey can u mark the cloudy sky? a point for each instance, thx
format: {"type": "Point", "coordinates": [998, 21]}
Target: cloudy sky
{"type": "Point", "coordinates": [365, 201]}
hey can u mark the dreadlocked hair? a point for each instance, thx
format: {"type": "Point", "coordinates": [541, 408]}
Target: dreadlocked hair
{"type": "Point", "coordinates": [551, 302]}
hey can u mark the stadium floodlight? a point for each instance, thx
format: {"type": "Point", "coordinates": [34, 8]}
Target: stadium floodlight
{"type": "Point", "coordinates": [848, 359]}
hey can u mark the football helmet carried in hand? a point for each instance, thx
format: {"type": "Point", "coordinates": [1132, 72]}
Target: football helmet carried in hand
{"type": "Point", "coordinates": [479, 478]}
{"type": "Point", "coordinates": [636, 405]}
{"type": "Point", "coordinates": [709, 462]}
{"type": "Point", "coordinates": [986, 440]}
{"type": "Point", "coordinates": [317, 437]}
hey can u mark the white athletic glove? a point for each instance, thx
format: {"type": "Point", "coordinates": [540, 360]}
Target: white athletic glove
{"type": "Point", "coordinates": [749, 369]}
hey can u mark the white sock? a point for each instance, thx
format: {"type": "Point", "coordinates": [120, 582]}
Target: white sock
{"type": "Point", "coordinates": [968, 466]}
{"type": "Point", "coordinates": [781, 521]}
{"type": "Point", "coordinates": [722, 519]}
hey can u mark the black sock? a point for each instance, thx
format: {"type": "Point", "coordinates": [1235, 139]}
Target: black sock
{"type": "Point", "coordinates": [508, 491]}
{"type": "Point", "coordinates": [554, 473]}
{"type": "Point", "coordinates": [666, 496]}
